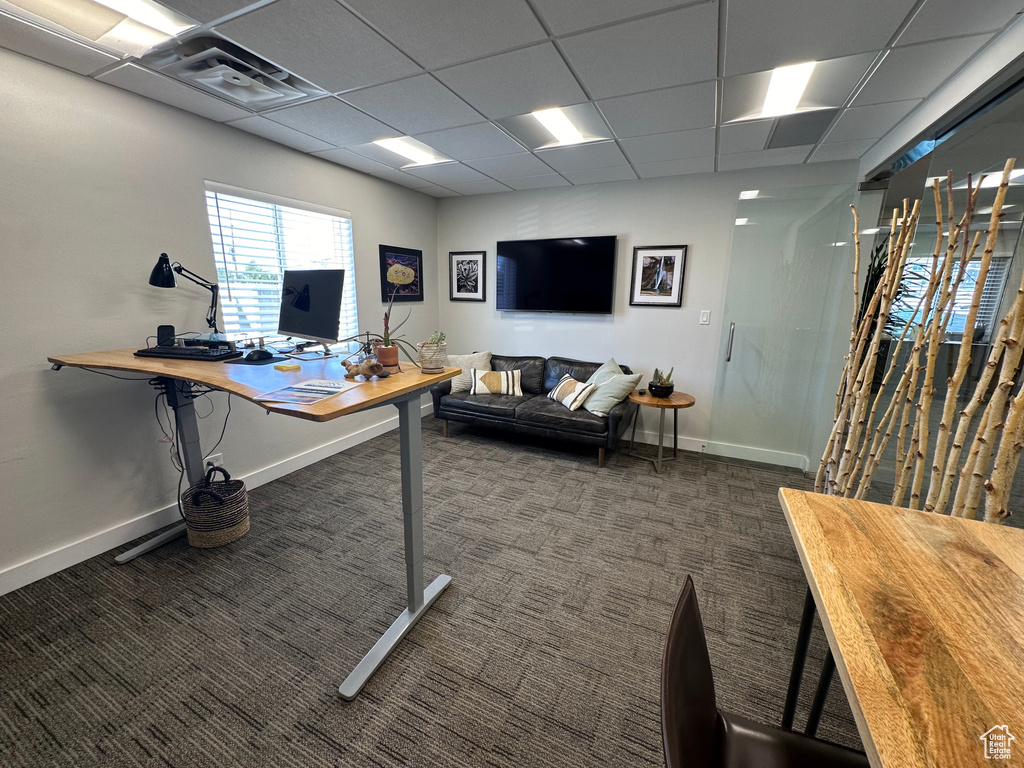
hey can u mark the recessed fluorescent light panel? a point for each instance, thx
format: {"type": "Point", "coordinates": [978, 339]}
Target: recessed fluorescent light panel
{"type": "Point", "coordinates": [416, 151]}
{"type": "Point", "coordinates": [749, 194]}
{"type": "Point", "coordinates": [786, 88]}
{"type": "Point", "coordinates": [741, 222]}
{"type": "Point", "coordinates": [559, 126]}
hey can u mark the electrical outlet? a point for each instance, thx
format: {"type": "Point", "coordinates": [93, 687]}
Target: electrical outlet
{"type": "Point", "coordinates": [214, 460]}
{"type": "Point", "coordinates": [705, 317]}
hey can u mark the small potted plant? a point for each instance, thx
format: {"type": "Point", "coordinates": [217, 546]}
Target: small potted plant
{"type": "Point", "coordinates": [433, 353]}
{"type": "Point", "coordinates": [661, 383]}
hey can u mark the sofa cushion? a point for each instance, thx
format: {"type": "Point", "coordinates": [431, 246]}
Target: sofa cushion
{"type": "Point", "coordinates": [497, 383]}
{"type": "Point", "coordinates": [532, 368]}
{"type": "Point", "coordinates": [557, 367]}
{"type": "Point", "coordinates": [544, 412]}
{"type": "Point", "coordinates": [479, 360]}
{"type": "Point", "coordinates": [571, 393]}
{"type": "Point", "coordinates": [500, 406]}
{"type": "Point", "coordinates": [613, 386]}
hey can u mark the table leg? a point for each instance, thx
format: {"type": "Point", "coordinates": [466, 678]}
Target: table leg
{"type": "Point", "coordinates": [827, 670]}
{"type": "Point", "coordinates": [661, 440]}
{"type": "Point", "coordinates": [799, 660]}
{"type": "Point", "coordinates": [187, 428]}
{"type": "Point", "coordinates": [632, 437]}
{"type": "Point", "coordinates": [675, 433]}
{"type": "Point", "coordinates": [418, 598]}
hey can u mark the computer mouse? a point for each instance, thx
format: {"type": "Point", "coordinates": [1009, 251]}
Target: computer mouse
{"type": "Point", "coordinates": [259, 354]}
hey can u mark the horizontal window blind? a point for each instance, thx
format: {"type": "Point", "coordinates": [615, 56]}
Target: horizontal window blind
{"type": "Point", "coordinates": [915, 285]}
{"type": "Point", "coordinates": [254, 241]}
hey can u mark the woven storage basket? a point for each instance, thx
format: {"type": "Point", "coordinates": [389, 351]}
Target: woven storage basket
{"type": "Point", "coordinates": [216, 513]}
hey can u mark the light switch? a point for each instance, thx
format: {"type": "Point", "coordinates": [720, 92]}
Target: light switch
{"type": "Point", "coordinates": [705, 316]}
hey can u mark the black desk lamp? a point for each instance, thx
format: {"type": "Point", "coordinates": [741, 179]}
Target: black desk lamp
{"type": "Point", "coordinates": [162, 276]}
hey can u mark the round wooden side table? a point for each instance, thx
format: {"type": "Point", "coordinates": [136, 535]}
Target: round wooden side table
{"type": "Point", "coordinates": [674, 402]}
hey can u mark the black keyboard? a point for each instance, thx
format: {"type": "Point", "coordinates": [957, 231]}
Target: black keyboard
{"type": "Point", "coordinates": [190, 353]}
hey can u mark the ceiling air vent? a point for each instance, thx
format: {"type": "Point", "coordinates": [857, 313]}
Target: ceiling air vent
{"type": "Point", "coordinates": [226, 70]}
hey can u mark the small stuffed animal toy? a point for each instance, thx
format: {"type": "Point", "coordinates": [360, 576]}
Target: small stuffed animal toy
{"type": "Point", "coordinates": [366, 368]}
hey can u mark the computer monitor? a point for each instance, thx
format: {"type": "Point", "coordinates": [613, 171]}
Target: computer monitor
{"type": "Point", "coordinates": [311, 304]}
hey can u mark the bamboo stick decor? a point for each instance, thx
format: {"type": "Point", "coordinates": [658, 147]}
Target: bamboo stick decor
{"type": "Point", "coordinates": [928, 472]}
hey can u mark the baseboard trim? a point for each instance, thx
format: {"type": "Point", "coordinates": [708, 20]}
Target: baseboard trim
{"type": "Point", "coordinates": [651, 438]}
{"type": "Point", "coordinates": [39, 567]}
{"type": "Point", "coordinates": [763, 455]}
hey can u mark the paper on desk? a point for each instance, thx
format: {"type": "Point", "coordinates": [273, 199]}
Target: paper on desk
{"type": "Point", "coordinates": [306, 392]}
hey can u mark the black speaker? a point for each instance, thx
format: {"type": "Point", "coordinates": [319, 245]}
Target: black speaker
{"type": "Point", "coordinates": [165, 335]}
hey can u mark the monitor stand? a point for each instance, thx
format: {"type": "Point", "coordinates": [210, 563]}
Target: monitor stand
{"type": "Point", "coordinates": [308, 356]}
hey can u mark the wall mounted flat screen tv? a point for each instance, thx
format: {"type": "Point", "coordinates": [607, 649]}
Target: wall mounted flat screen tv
{"type": "Point", "coordinates": [564, 274]}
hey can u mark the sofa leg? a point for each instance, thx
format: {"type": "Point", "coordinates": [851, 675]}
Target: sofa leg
{"type": "Point", "coordinates": [444, 427]}
{"type": "Point", "coordinates": [600, 457]}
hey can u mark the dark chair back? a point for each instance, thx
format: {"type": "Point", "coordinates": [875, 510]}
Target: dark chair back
{"type": "Point", "coordinates": [689, 714]}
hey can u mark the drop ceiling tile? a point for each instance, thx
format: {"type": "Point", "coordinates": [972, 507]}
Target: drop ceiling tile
{"type": "Point", "coordinates": [510, 166]}
{"type": "Point", "coordinates": [583, 156]}
{"type": "Point", "coordinates": [640, 61]}
{"type": "Point", "coordinates": [538, 182]}
{"type": "Point", "coordinates": [472, 141]}
{"type": "Point", "coordinates": [764, 158]}
{"type": "Point", "coordinates": [676, 167]}
{"type": "Point", "coordinates": [564, 16]}
{"type": "Point", "coordinates": [478, 187]}
{"type": "Point", "coordinates": [801, 128]}
{"type": "Point", "coordinates": [663, 111]}
{"type": "Point", "coordinates": [599, 175]}
{"type": "Point", "coordinates": [841, 150]}
{"type": "Point", "coordinates": [806, 30]}
{"type": "Point", "coordinates": [438, 192]}
{"type": "Point", "coordinates": [438, 33]}
{"type": "Point", "coordinates": [132, 77]}
{"type": "Point", "coordinates": [515, 83]}
{"type": "Point", "coordinates": [414, 105]}
{"type": "Point", "coordinates": [321, 42]}
{"type": "Point", "coordinates": [331, 121]}
{"type": "Point", "coordinates": [282, 134]}
{"type": "Point", "coordinates": [446, 173]}
{"type": "Point", "coordinates": [744, 137]}
{"type": "Point", "coordinates": [870, 122]}
{"type": "Point", "coordinates": [915, 71]}
{"type": "Point", "coordinates": [206, 10]}
{"type": "Point", "coordinates": [353, 160]}
{"type": "Point", "coordinates": [412, 182]}
{"type": "Point", "coordinates": [38, 43]}
{"type": "Point", "coordinates": [678, 145]}
{"type": "Point", "coordinates": [946, 18]}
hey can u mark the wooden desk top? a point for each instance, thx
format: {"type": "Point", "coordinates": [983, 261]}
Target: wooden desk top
{"type": "Point", "coordinates": [674, 401]}
{"type": "Point", "coordinates": [925, 617]}
{"type": "Point", "coordinates": [248, 381]}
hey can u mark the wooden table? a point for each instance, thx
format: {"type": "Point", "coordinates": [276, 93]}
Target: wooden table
{"type": "Point", "coordinates": [924, 615]}
{"type": "Point", "coordinates": [175, 379]}
{"type": "Point", "coordinates": [674, 403]}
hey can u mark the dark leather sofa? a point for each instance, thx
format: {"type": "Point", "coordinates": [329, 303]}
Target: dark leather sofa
{"type": "Point", "coordinates": [534, 413]}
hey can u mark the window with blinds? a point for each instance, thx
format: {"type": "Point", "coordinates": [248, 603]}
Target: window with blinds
{"type": "Point", "coordinates": [256, 237]}
{"type": "Point", "coordinates": [915, 285]}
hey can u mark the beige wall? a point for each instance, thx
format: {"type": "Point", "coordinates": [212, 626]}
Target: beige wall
{"type": "Point", "coordinates": [94, 184]}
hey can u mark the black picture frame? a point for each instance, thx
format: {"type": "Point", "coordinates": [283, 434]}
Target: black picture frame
{"type": "Point", "coordinates": [391, 255]}
{"type": "Point", "coordinates": [657, 276]}
{"type": "Point", "coordinates": [467, 275]}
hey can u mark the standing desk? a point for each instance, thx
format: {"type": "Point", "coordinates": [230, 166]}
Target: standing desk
{"type": "Point", "coordinates": [924, 616]}
{"type": "Point", "coordinates": [402, 390]}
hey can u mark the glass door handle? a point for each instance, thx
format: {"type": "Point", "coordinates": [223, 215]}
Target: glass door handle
{"type": "Point", "coordinates": [728, 350]}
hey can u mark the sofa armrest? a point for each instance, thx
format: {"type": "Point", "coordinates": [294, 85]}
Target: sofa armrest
{"type": "Point", "coordinates": [437, 392]}
{"type": "Point", "coordinates": [618, 419]}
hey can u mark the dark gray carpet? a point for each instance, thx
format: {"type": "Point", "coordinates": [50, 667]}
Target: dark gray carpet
{"type": "Point", "coordinates": [545, 651]}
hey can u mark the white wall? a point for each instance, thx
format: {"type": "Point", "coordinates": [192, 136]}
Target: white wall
{"type": "Point", "coordinates": [698, 211]}
{"type": "Point", "coordinates": [94, 184]}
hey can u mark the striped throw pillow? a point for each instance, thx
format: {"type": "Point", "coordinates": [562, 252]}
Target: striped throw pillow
{"type": "Point", "coordinates": [496, 383]}
{"type": "Point", "coordinates": [571, 393]}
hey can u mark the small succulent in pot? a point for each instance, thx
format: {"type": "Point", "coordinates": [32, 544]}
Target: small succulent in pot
{"type": "Point", "coordinates": [661, 383]}
{"type": "Point", "coordinates": [433, 353]}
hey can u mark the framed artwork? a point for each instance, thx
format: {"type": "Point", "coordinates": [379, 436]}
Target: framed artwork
{"type": "Point", "coordinates": [657, 276]}
{"type": "Point", "coordinates": [467, 276]}
{"type": "Point", "coordinates": [404, 261]}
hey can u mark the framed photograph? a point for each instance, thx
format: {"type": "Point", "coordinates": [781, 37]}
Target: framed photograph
{"type": "Point", "coordinates": [657, 276]}
{"type": "Point", "coordinates": [404, 261]}
{"type": "Point", "coordinates": [467, 279]}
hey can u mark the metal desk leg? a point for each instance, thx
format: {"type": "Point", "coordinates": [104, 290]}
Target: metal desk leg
{"type": "Point", "coordinates": [827, 670]}
{"type": "Point", "coordinates": [179, 397]}
{"type": "Point", "coordinates": [418, 598]}
{"type": "Point", "coordinates": [803, 639]}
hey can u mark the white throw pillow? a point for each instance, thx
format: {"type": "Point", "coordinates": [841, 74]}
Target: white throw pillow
{"type": "Point", "coordinates": [481, 361]}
